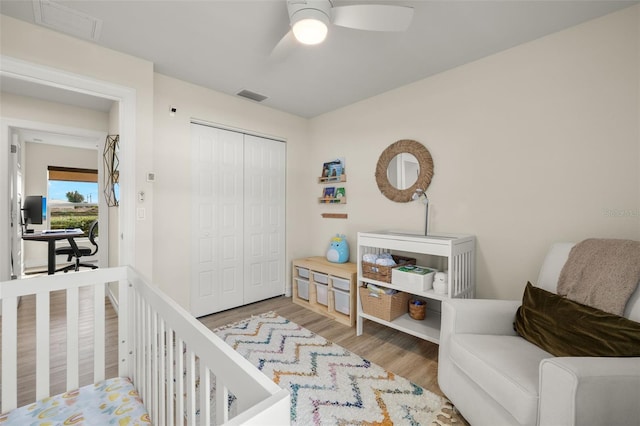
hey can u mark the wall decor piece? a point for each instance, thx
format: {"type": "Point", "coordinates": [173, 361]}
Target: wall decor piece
{"type": "Point", "coordinates": [404, 169]}
{"type": "Point", "coordinates": [111, 171]}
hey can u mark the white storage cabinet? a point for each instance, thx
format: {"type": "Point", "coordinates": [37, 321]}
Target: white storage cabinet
{"type": "Point", "coordinates": [452, 252]}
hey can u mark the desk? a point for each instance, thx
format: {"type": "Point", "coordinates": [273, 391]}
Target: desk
{"type": "Point", "coordinates": [51, 237]}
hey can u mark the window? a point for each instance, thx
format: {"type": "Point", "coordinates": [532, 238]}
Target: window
{"type": "Point", "coordinates": [73, 197]}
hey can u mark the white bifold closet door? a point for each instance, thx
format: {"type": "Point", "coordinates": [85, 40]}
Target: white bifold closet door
{"type": "Point", "coordinates": [238, 213]}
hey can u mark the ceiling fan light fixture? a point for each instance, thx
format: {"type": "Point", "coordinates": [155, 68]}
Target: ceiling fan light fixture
{"type": "Point", "coordinates": [310, 31]}
{"type": "Point", "coordinates": [310, 26]}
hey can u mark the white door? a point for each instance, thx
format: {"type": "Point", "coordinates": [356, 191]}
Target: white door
{"type": "Point", "coordinates": [217, 220]}
{"type": "Point", "coordinates": [264, 228]}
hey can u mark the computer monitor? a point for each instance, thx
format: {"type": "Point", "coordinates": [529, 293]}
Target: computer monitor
{"type": "Point", "coordinates": [32, 211]}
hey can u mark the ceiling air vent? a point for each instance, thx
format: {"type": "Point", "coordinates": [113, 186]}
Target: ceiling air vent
{"type": "Point", "coordinates": [66, 20]}
{"type": "Point", "coordinates": [251, 95]}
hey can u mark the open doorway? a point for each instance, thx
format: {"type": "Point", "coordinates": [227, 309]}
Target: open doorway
{"type": "Point", "coordinates": [70, 83]}
{"type": "Point", "coordinates": [63, 168]}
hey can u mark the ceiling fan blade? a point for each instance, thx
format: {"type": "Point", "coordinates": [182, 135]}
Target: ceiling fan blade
{"type": "Point", "coordinates": [373, 17]}
{"type": "Point", "coordinates": [284, 47]}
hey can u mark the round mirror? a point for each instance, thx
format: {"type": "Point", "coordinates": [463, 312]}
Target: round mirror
{"type": "Point", "coordinates": [404, 167]}
{"type": "Point", "coordinates": [403, 170]}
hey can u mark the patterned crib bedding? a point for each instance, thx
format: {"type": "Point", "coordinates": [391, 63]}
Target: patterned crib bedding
{"type": "Point", "coordinates": [109, 402]}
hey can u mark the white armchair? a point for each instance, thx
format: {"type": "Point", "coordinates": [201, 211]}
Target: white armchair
{"type": "Point", "coordinates": [495, 377]}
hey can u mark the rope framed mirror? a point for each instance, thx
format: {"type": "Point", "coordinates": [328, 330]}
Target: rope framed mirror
{"type": "Point", "coordinates": [391, 164]}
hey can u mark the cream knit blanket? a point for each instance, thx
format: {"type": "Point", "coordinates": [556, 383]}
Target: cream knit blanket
{"type": "Point", "coordinates": [601, 273]}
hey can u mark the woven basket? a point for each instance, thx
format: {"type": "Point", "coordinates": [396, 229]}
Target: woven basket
{"type": "Point", "coordinates": [417, 312]}
{"type": "Point", "coordinates": [386, 306]}
{"type": "Point", "coordinates": [383, 273]}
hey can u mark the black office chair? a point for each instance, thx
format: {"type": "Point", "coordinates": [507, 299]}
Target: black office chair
{"type": "Point", "coordinates": [81, 251]}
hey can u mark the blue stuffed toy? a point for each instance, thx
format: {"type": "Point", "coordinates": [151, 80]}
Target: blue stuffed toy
{"type": "Point", "coordinates": [338, 250]}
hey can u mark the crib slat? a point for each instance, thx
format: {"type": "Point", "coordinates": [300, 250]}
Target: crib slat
{"type": "Point", "coordinates": [72, 338]}
{"type": "Point", "coordinates": [9, 353]}
{"type": "Point", "coordinates": [126, 330]}
{"type": "Point", "coordinates": [141, 383]}
{"type": "Point", "coordinates": [147, 356]}
{"type": "Point", "coordinates": [154, 364]}
{"type": "Point", "coordinates": [179, 374]}
{"type": "Point", "coordinates": [191, 388]}
{"type": "Point", "coordinates": [42, 345]}
{"type": "Point", "coordinates": [170, 348]}
{"type": "Point", "coordinates": [162, 363]}
{"type": "Point", "coordinates": [222, 404]}
{"type": "Point", "coordinates": [205, 395]}
{"type": "Point", "coordinates": [98, 333]}
{"type": "Point", "coordinates": [139, 344]}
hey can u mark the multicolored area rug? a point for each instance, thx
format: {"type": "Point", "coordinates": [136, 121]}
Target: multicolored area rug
{"type": "Point", "coordinates": [330, 385]}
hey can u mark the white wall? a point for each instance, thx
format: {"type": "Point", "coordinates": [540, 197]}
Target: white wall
{"type": "Point", "coordinates": [172, 163]}
{"type": "Point", "coordinates": [39, 45]}
{"type": "Point", "coordinates": [532, 145]}
{"type": "Point", "coordinates": [31, 109]}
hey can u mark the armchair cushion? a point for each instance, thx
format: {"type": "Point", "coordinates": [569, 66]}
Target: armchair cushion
{"type": "Point", "coordinates": [563, 327]}
{"type": "Point", "coordinates": [505, 367]}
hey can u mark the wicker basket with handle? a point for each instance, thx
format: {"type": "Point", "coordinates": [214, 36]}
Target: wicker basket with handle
{"type": "Point", "coordinates": [383, 273]}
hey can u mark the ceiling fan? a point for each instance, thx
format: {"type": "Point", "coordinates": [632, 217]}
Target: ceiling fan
{"type": "Point", "coordinates": [310, 20]}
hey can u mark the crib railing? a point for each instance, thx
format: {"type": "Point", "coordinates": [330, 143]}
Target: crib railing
{"type": "Point", "coordinates": [159, 347]}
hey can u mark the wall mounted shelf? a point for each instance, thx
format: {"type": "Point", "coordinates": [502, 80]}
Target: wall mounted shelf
{"type": "Point", "coordinates": [331, 200]}
{"type": "Point", "coordinates": [334, 215]}
{"type": "Point", "coordinates": [333, 179]}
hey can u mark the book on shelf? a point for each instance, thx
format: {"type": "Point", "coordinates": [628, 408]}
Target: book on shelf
{"type": "Point", "coordinates": [333, 169]}
{"type": "Point", "coordinates": [329, 192]}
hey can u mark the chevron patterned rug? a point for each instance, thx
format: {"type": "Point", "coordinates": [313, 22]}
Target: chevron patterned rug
{"type": "Point", "coordinates": [328, 384]}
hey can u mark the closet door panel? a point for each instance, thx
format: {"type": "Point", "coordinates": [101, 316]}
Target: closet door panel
{"type": "Point", "coordinates": [217, 224]}
{"type": "Point", "coordinates": [264, 220]}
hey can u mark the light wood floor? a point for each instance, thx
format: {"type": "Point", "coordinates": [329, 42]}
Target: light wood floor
{"type": "Point", "coordinates": [402, 354]}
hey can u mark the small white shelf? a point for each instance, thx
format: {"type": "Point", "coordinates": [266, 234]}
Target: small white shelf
{"type": "Point", "coordinates": [429, 294]}
{"type": "Point", "coordinates": [427, 329]}
{"type": "Point", "coordinates": [459, 252]}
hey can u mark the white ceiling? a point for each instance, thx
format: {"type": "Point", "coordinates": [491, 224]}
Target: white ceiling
{"type": "Point", "coordinates": [225, 45]}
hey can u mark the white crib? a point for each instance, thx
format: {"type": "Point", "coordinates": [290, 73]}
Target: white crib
{"type": "Point", "coordinates": [160, 346]}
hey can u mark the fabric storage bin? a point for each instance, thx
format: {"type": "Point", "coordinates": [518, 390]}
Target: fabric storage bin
{"type": "Point", "coordinates": [341, 284]}
{"type": "Point", "coordinates": [342, 301]}
{"type": "Point", "coordinates": [321, 294]}
{"type": "Point", "coordinates": [383, 273]}
{"type": "Point", "coordinates": [302, 272]}
{"type": "Point", "coordinates": [303, 288]}
{"type": "Point", "coordinates": [320, 278]}
{"type": "Point", "coordinates": [385, 306]}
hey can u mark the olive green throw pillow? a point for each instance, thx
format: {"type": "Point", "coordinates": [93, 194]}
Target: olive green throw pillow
{"type": "Point", "coordinates": [563, 327]}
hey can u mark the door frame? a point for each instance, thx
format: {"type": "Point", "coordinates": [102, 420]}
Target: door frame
{"type": "Point", "coordinates": [126, 96]}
